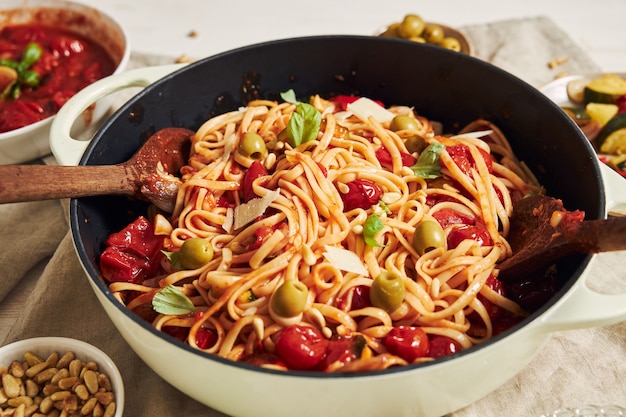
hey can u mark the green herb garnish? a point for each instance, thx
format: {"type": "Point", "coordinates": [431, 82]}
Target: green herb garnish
{"type": "Point", "coordinates": [171, 300]}
{"type": "Point", "coordinates": [373, 224]}
{"type": "Point", "coordinates": [25, 76]}
{"type": "Point", "coordinates": [304, 124]}
{"type": "Point", "coordinates": [427, 165]}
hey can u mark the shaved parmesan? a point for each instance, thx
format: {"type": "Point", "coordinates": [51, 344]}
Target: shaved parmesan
{"type": "Point", "coordinates": [473, 135]}
{"type": "Point", "coordinates": [247, 212]}
{"type": "Point", "coordinates": [345, 260]}
{"type": "Point", "coordinates": [228, 220]}
{"type": "Point", "coordinates": [364, 108]}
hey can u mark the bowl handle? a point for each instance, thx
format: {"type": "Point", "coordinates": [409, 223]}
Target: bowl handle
{"type": "Point", "coordinates": [68, 150]}
{"type": "Point", "coordinates": [582, 307]}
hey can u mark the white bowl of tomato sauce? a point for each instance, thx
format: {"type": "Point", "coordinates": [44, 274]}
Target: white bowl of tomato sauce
{"type": "Point", "coordinates": [50, 50]}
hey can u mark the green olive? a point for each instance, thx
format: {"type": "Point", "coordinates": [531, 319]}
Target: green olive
{"type": "Point", "coordinates": [252, 146]}
{"type": "Point", "coordinates": [412, 25]}
{"type": "Point", "coordinates": [415, 143]}
{"type": "Point", "coordinates": [451, 43]}
{"type": "Point", "coordinates": [391, 31]}
{"type": "Point", "coordinates": [387, 291]}
{"type": "Point", "coordinates": [290, 298]}
{"type": "Point", "coordinates": [403, 123]}
{"type": "Point", "coordinates": [433, 33]}
{"type": "Point", "coordinates": [417, 39]}
{"type": "Point", "coordinates": [428, 236]}
{"type": "Point", "coordinates": [195, 252]}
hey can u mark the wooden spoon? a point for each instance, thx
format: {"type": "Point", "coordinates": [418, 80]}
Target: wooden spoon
{"type": "Point", "coordinates": [538, 239]}
{"type": "Point", "coordinates": [136, 178]}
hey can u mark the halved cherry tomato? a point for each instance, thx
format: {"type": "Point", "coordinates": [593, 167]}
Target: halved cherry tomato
{"type": "Point", "coordinates": [255, 171]}
{"type": "Point", "coordinates": [474, 232]}
{"type": "Point", "coordinates": [462, 156]}
{"type": "Point", "coordinates": [363, 193]}
{"type": "Point", "coordinates": [301, 347]}
{"type": "Point", "coordinates": [442, 346]}
{"type": "Point", "coordinates": [407, 342]}
{"type": "Point", "coordinates": [384, 157]}
{"type": "Point", "coordinates": [448, 216]}
{"type": "Point", "coordinates": [494, 311]}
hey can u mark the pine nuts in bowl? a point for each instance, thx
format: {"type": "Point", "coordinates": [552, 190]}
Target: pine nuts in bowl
{"type": "Point", "coordinates": [44, 374]}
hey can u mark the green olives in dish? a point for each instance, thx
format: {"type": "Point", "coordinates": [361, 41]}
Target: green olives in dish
{"type": "Point", "coordinates": [195, 253]}
{"type": "Point", "coordinates": [412, 25]}
{"type": "Point", "coordinates": [415, 143]}
{"type": "Point", "coordinates": [428, 235]}
{"type": "Point", "coordinates": [451, 43]}
{"type": "Point", "coordinates": [252, 145]}
{"type": "Point", "coordinates": [402, 122]}
{"type": "Point", "coordinates": [290, 298]}
{"type": "Point", "coordinates": [387, 291]}
{"type": "Point", "coordinates": [433, 33]}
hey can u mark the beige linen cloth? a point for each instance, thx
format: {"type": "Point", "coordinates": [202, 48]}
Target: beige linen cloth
{"type": "Point", "coordinates": [575, 368]}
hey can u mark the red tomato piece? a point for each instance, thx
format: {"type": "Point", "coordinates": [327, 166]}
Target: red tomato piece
{"type": "Point", "coordinates": [363, 193]}
{"type": "Point", "coordinates": [359, 298]}
{"type": "Point", "coordinates": [255, 171]}
{"type": "Point", "coordinates": [205, 338]}
{"type": "Point", "coordinates": [66, 46]}
{"type": "Point", "coordinates": [448, 216]}
{"type": "Point", "coordinates": [118, 265]}
{"type": "Point", "coordinates": [442, 346]}
{"type": "Point", "coordinates": [138, 237]}
{"type": "Point", "coordinates": [301, 347]}
{"type": "Point", "coordinates": [494, 311]}
{"type": "Point", "coordinates": [462, 156]}
{"type": "Point", "coordinates": [474, 232]}
{"type": "Point", "coordinates": [384, 157]}
{"type": "Point", "coordinates": [342, 101]}
{"type": "Point", "coordinates": [621, 103]}
{"type": "Point", "coordinates": [407, 342]}
{"type": "Point", "coordinates": [342, 350]}
{"type": "Point", "coordinates": [261, 234]}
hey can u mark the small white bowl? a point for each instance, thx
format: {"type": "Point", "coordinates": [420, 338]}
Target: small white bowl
{"type": "Point", "coordinates": [32, 141]}
{"type": "Point", "coordinates": [44, 346]}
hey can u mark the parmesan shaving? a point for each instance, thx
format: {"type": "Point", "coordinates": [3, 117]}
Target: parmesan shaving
{"type": "Point", "coordinates": [228, 220]}
{"type": "Point", "coordinates": [247, 212]}
{"type": "Point", "coordinates": [364, 108]}
{"type": "Point", "coordinates": [345, 260]}
{"type": "Point", "coordinates": [473, 135]}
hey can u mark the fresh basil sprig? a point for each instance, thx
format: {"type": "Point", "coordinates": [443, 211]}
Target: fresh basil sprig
{"type": "Point", "coordinates": [32, 53]}
{"type": "Point", "coordinates": [304, 124]}
{"type": "Point", "coordinates": [170, 300]}
{"type": "Point", "coordinates": [427, 165]}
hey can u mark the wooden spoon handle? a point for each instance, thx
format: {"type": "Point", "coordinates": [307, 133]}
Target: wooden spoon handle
{"type": "Point", "coordinates": [602, 235]}
{"type": "Point", "coordinates": [20, 183]}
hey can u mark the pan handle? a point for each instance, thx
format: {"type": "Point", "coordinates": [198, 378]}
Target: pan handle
{"type": "Point", "coordinates": [68, 150]}
{"type": "Point", "coordinates": [582, 307]}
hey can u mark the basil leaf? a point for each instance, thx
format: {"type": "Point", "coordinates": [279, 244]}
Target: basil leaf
{"type": "Point", "coordinates": [289, 96]}
{"type": "Point", "coordinates": [32, 53]}
{"type": "Point", "coordinates": [171, 300]}
{"type": "Point", "coordinates": [30, 78]}
{"type": "Point", "coordinates": [373, 224]}
{"type": "Point", "coordinates": [304, 124]}
{"type": "Point", "coordinates": [174, 259]}
{"type": "Point", "coordinates": [427, 165]}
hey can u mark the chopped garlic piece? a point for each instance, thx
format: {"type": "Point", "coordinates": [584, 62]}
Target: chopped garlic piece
{"type": "Point", "coordinates": [345, 260]}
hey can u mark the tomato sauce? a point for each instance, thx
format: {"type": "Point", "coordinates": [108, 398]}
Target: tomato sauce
{"type": "Point", "coordinates": [68, 63]}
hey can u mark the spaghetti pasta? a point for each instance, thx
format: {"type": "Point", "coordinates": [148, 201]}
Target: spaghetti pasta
{"type": "Point", "coordinates": [354, 191]}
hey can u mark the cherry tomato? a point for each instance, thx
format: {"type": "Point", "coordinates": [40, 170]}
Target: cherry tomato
{"type": "Point", "coordinates": [363, 193]}
{"type": "Point", "coordinates": [448, 216]}
{"type": "Point", "coordinates": [359, 298]}
{"type": "Point", "coordinates": [344, 349]}
{"type": "Point", "coordinates": [407, 342]}
{"type": "Point", "coordinates": [462, 156]}
{"type": "Point", "coordinates": [205, 338]}
{"type": "Point", "coordinates": [474, 232]}
{"type": "Point", "coordinates": [301, 347]}
{"type": "Point", "coordinates": [442, 346]}
{"type": "Point", "coordinates": [384, 157]}
{"type": "Point", "coordinates": [494, 311]}
{"type": "Point", "coordinates": [255, 171]}
{"type": "Point", "coordinates": [342, 101]}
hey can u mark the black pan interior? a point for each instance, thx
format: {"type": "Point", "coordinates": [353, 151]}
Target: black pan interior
{"type": "Point", "coordinates": [442, 85]}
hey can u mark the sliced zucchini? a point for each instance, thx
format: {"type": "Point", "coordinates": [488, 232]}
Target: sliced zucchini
{"type": "Point", "coordinates": [579, 114]}
{"type": "Point", "coordinates": [601, 112]}
{"type": "Point", "coordinates": [612, 137]}
{"type": "Point", "coordinates": [604, 89]}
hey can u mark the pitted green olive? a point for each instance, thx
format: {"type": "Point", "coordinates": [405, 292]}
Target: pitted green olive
{"type": "Point", "coordinates": [290, 298]}
{"type": "Point", "coordinates": [403, 123]}
{"type": "Point", "coordinates": [387, 291]}
{"type": "Point", "coordinates": [252, 146]}
{"type": "Point", "coordinates": [428, 235]}
{"type": "Point", "coordinates": [195, 252]}
{"type": "Point", "coordinates": [415, 143]}
{"type": "Point", "coordinates": [451, 43]}
{"type": "Point", "coordinates": [412, 25]}
{"type": "Point", "coordinates": [433, 33]}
